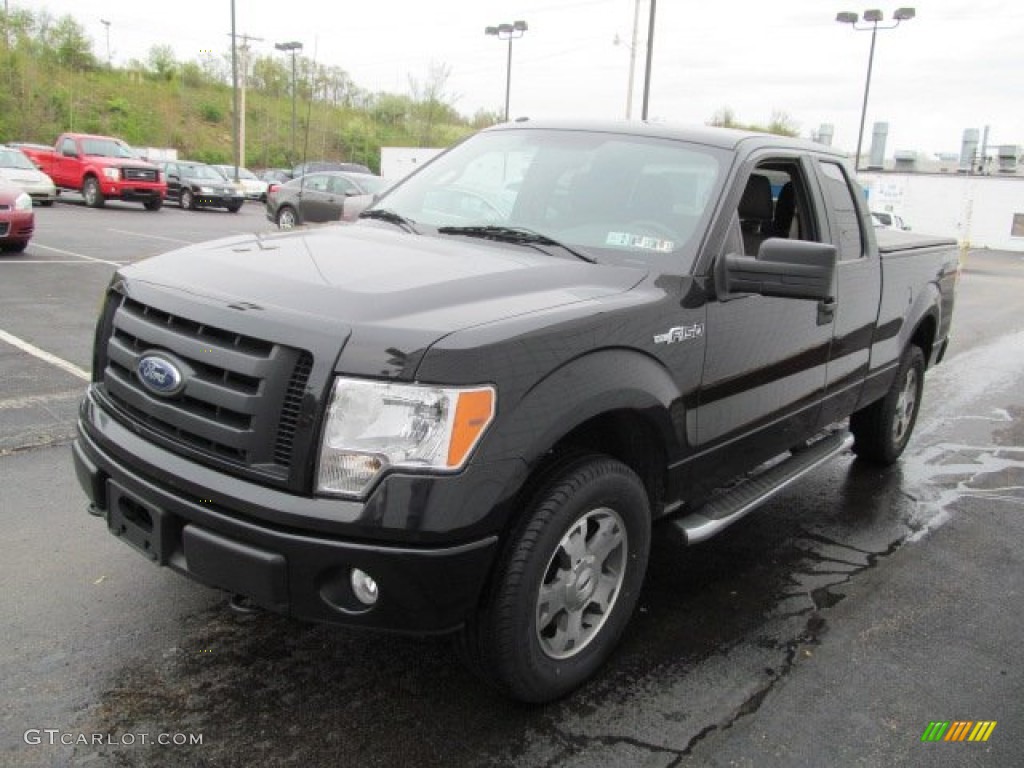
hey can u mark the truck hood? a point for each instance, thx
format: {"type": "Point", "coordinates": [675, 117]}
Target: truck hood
{"type": "Point", "coordinates": [399, 290]}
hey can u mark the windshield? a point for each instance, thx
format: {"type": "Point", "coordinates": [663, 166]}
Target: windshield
{"type": "Point", "coordinates": [107, 148]}
{"type": "Point", "coordinates": [614, 197]}
{"type": "Point", "coordinates": [202, 172]}
{"type": "Point", "coordinates": [13, 158]}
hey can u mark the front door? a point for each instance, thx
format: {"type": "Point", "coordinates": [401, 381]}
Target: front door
{"type": "Point", "coordinates": [766, 360]}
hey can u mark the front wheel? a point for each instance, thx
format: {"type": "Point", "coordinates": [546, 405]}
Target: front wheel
{"type": "Point", "coordinates": [92, 193]}
{"type": "Point", "coordinates": [882, 430]}
{"type": "Point", "coordinates": [567, 584]}
{"type": "Point", "coordinates": [153, 205]}
{"type": "Point", "coordinates": [234, 208]}
{"type": "Point", "coordinates": [187, 200]}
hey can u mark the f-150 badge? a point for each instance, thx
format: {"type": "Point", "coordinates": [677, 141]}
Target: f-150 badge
{"type": "Point", "coordinates": [680, 333]}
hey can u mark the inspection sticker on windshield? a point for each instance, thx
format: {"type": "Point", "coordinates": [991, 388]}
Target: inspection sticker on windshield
{"type": "Point", "coordinates": [626, 240]}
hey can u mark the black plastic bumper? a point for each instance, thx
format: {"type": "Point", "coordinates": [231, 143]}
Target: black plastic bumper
{"type": "Point", "coordinates": [304, 574]}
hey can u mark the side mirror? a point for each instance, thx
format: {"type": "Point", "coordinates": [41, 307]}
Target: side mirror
{"type": "Point", "coordinates": [792, 269]}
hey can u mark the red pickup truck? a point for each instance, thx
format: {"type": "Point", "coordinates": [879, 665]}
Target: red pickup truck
{"type": "Point", "coordinates": [101, 168]}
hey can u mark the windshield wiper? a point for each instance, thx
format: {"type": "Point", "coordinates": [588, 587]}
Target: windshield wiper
{"type": "Point", "coordinates": [390, 216]}
{"type": "Point", "coordinates": [521, 235]}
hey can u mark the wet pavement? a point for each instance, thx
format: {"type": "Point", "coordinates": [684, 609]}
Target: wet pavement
{"type": "Point", "coordinates": [827, 628]}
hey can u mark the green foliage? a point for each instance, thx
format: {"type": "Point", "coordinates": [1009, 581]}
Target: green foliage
{"type": "Point", "coordinates": [781, 123]}
{"type": "Point", "coordinates": [211, 113]}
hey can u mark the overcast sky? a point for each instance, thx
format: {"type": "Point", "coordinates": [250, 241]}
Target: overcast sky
{"type": "Point", "coordinates": [959, 64]}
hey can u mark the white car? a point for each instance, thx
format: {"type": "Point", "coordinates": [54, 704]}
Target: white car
{"type": "Point", "coordinates": [252, 187]}
{"type": "Point", "coordinates": [16, 168]}
{"type": "Point", "coordinates": [884, 220]}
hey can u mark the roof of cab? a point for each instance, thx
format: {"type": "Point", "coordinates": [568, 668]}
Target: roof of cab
{"type": "Point", "coordinates": [724, 138]}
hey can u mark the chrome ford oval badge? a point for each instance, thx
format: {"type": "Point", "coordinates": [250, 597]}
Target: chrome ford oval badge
{"type": "Point", "coordinates": [160, 375]}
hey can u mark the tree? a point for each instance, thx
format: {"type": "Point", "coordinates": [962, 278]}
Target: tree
{"type": "Point", "coordinates": [781, 123]}
{"type": "Point", "coordinates": [162, 61]}
{"type": "Point", "coordinates": [68, 44]}
{"type": "Point", "coordinates": [432, 103]}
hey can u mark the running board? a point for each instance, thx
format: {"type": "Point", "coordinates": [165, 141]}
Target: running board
{"type": "Point", "coordinates": [726, 509]}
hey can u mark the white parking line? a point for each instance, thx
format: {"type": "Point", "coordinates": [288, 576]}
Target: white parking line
{"type": "Point", "coordinates": [151, 237]}
{"type": "Point", "coordinates": [37, 244]}
{"type": "Point", "coordinates": [45, 356]}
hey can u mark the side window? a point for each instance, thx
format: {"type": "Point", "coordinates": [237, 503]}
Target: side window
{"type": "Point", "coordinates": [316, 183]}
{"type": "Point", "coordinates": [342, 186]}
{"type": "Point", "coordinates": [775, 203]}
{"type": "Point", "coordinates": [845, 215]}
{"type": "Point", "coordinates": [68, 149]}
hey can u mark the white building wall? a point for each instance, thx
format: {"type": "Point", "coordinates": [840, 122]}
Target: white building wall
{"type": "Point", "coordinates": [398, 162]}
{"type": "Point", "coordinates": [976, 210]}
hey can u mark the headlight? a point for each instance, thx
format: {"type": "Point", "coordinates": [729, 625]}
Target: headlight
{"type": "Point", "coordinates": [112, 173]}
{"type": "Point", "coordinates": [373, 426]}
{"type": "Point", "coordinates": [206, 190]}
{"type": "Point", "coordinates": [23, 202]}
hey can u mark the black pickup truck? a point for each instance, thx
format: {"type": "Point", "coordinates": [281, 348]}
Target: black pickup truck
{"type": "Point", "coordinates": [465, 412]}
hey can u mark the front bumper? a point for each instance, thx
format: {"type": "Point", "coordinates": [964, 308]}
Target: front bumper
{"type": "Point", "coordinates": [301, 572]}
{"type": "Point", "coordinates": [133, 193]}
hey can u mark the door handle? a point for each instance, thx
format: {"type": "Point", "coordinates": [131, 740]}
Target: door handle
{"type": "Point", "coordinates": [826, 310]}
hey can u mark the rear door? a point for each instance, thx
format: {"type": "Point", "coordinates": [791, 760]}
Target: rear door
{"type": "Point", "coordinates": [858, 289]}
{"type": "Point", "coordinates": [315, 205]}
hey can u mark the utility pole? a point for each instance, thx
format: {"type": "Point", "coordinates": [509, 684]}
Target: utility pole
{"type": "Point", "coordinates": [650, 56]}
{"type": "Point", "coordinates": [632, 60]}
{"type": "Point", "coordinates": [244, 51]}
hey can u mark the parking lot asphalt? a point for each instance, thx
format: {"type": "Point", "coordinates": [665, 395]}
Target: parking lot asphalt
{"type": "Point", "coordinates": [829, 628]}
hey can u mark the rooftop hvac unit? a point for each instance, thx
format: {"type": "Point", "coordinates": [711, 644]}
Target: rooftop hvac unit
{"type": "Point", "coordinates": [1009, 155]}
{"type": "Point", "coordinates": [906, 159]}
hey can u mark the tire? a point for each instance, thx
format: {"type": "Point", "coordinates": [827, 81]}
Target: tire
{"type": "Point", "coordinates": [187, 199]}
{"type": "Point", "coordinates": [153, 205]}
{"type": "Point", "coordinates": [92, 193]}
{"type": "Point", "coordinates": [15, 247]}
{"type": "Point", "coordinates": [234, 208]}
{"type": "Point", "coordinates": [45, 203]}
{"type": "Point", "coordinates": [287, 218]}
{"type": "Point", "coordinates": [882, 430]}
{"type": "Point", "coordinates": [567, 584]}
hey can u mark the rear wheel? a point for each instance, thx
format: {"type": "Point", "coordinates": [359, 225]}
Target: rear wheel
{"type": "Point", "coordinates": [567, 584]}
{"type": "Point", "coordinates": [882, 429]}
{"type": "Point", "coordinates": [92, 193]}
{"type": "Point", "coordinates": [286, 218]}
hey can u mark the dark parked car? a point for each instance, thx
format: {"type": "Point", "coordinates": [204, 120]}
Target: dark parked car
{"type": "Point", "coordinates": [317, 166]}
{"type": "Point", "coordinates": [17, 221]}
{"type": "Point", "coordinates": [318, 197]}
{"type": "Point", "coordinates": [197, 185]}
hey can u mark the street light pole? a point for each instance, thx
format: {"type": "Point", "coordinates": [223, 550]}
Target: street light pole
{"type": "Point", "coordinates": [106, 24]}
{"type": "Point", "coordinates": [508, 32]}
{"type": "Point", "coordinates": [873, 17]}
{"type": "Point", "coordinates": [292, 46]}
{"type": "Point", "coordinates": [650, 56]}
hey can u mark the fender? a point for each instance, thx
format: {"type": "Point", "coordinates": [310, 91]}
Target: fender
{"type": "Point", "coordinates": [596, 383]}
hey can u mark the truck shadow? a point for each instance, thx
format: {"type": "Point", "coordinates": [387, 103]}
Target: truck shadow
{"type": "Point", "coordinates": [265, 690]}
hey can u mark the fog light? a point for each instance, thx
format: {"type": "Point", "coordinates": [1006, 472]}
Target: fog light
{"type": "Point", "coordinates": [364, 587]}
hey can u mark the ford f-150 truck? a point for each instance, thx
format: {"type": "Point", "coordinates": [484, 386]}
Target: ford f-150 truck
{"type": "Point", "coordinates": [101, 168]}
{"type": "Point", "coordinates": [466, 411]}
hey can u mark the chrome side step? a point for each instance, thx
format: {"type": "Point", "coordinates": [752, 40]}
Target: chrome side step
{"type": "Point", "coordinates": [724, 510]}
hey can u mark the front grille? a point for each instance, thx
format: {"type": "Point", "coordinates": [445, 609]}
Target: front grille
{"type": "Point", "coordinates": [139, 174]}
{"type": "Point", "coordinates": [242, 398]}
{"type": "Point", "coordinates": [4, 226]}
{"type": "Point", "coordinates": [5, 207]}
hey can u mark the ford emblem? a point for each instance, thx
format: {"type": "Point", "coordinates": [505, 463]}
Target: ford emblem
{"type": "Point", "coordinates": [160, 375]}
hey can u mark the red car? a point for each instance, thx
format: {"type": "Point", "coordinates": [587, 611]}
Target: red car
{"type": "Point", "coordinates": [17, 221]}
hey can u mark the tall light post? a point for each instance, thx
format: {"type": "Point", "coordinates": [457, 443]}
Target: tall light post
{"type": "Point", "coordinates": [650, 57]}
{"type": "Point", "coordinates": [293, 47]}
{"type": "Point", "coordinates": [872, 22]}
{"type": "Point", "coordinates": [508, 32]}
{"type": "Point", "coordinates": [106, 24]}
